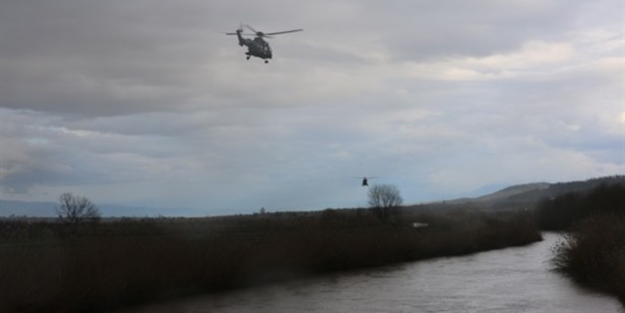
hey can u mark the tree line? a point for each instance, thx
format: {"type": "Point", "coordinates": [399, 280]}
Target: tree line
{"type": "Point", "coordinates": [592, 252]}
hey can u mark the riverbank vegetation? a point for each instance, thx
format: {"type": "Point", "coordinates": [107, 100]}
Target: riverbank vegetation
{"type": "Point", "coordinates": [592, 252]}
{"type": "Point", "coordinates": [46, 267]}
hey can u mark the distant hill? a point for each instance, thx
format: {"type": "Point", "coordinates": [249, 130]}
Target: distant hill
{"type": "Point", "coordinates": [10, 208]}
{"type": "Point", "coordinates": [25, 208]}
{"type": "Point", "coordinates": [511, 191]}
{"type": "Point", "coordinates": [512, 197]}
{"type": "Point", "coordinates": [523, 196]}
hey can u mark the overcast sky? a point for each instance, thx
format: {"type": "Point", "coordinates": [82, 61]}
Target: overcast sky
{"type": "Point", "coordinates": [148, 103]}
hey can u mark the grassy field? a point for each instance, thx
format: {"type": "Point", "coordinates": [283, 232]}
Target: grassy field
{"type": "Point", "coordinates": [111, 265]}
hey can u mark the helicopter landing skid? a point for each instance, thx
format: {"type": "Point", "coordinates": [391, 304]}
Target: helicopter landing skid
{"type": "Point", "coordinates": [248, 56]}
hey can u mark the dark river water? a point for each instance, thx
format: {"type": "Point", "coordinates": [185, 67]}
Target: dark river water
{"type": "Point", "coordinates": [508, 280]}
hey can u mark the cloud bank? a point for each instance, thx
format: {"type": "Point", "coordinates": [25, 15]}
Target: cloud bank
{"type": "Point", "coordinates": [148, 103]}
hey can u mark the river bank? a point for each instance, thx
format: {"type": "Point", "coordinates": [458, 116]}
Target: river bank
{"type": "Point", "coordinates": [131, 262]}
{"type": "Point", "coordinates": [511, 280]}
{"type": "Point", "coordinates": [593, 251]}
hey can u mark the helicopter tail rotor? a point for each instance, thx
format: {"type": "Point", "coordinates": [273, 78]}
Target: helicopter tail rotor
{"type": "Point", "coordinates": [239, 31]}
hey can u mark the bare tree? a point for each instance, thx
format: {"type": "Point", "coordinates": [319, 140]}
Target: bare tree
{"type": "Point", "coordinates": [384, 199]}
{"type": "Point", "coordinates": [74, 210]}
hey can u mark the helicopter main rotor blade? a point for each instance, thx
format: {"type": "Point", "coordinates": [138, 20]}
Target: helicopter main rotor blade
{"type": "Point", "coordinates": [285, 32]}
{"type": "Point", "coordinates": [250, 28]}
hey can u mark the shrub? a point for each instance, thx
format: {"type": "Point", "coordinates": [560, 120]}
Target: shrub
{"type": "Point", "coordinates": [593, 254]}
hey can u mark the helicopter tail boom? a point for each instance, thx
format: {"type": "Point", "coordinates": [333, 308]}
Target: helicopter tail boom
{"type": "Point", "coordinates": [241, 39]}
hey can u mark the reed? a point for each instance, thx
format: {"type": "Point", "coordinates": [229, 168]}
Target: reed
{"type": "Point", "coordinates": [118, 264]}
{"type": "Point", "coordinates": [593, 254]}
{"type": "Point", "coordinates": [592, 251]}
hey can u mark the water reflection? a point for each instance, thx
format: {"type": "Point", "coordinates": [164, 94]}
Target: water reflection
{"type": "Point", "coordinates": [509, 280]}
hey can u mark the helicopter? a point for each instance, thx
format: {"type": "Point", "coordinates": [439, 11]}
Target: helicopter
{"type": "Point", "coordinates": [257, 47]}
{"type": "Point", "coordinates": [365, 181]}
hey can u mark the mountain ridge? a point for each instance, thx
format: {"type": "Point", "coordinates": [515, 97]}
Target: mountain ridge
{"type": "Point", "coordinates": [525, 196]}
{"type": "Point", "coordinates": [46, 209]}
{"type": "Point", "coordinates": [512, 197]}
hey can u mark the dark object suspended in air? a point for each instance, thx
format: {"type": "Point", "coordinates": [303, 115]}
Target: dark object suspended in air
{"type": "Point", "coordinates": [364, 180]}
{"type": "Point", "coordinates": [258, 47]}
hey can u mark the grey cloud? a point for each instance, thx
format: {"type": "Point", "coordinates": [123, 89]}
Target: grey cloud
{"type": "Point", "coordinates": [150, 97]}
{"type": "Point", "coordinates": [94, 58]}
{"type": "Point", "coordinates": [419, 30]}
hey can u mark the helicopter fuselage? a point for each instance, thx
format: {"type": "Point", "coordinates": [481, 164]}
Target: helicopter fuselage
{"type": "Point", "coordinates": [256, 47]}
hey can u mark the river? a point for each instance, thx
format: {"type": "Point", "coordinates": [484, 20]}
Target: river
{"type": "Point", "coordinates": [509, 280]}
